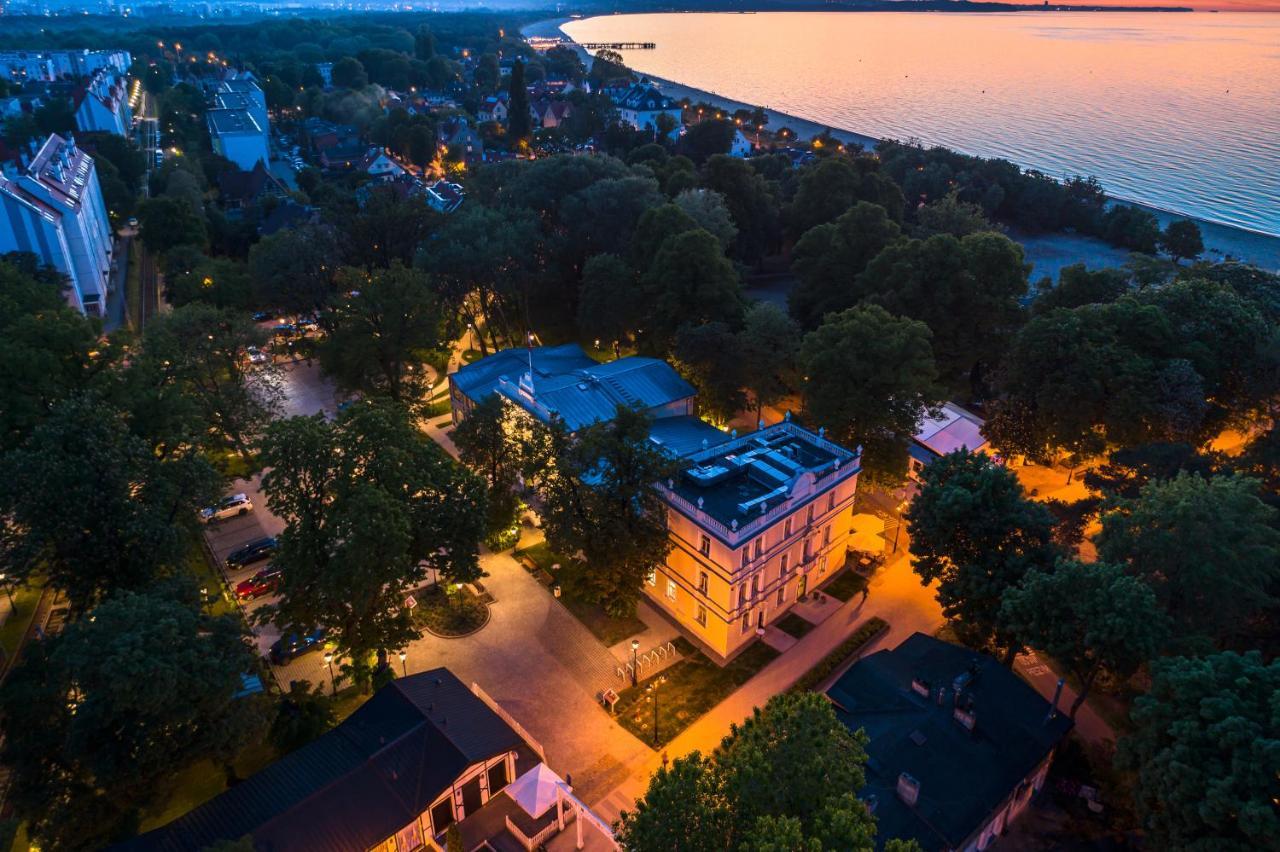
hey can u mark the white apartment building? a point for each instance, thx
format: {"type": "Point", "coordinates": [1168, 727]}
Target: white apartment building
{"type": "Point", "coordinates": [103, 104]}
{"type": "Point", "coordinates": [53, 208]}
{"type": "Point", "coordinates": [22, 65]}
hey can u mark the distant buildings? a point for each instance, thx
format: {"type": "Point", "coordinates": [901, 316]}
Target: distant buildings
{"type": "Point", "coordinates": [958, 744]}
{"type": "Point", "coordinates": [756, 521]}
{"type": "Point", "coordinates": [424, 754]}
{"type": "Point", "coordinates": [53, 208]}
{"type": "Point", "coordinates": [21, 65]}
{"type": "Point", "coordinates": [239, 127]}
{"type": "Point", "coordinates": [951, 430]}
{"type": "Point", "coordinates": [641, 106]}
{"type": "Point", "coordinates": [102, 103]}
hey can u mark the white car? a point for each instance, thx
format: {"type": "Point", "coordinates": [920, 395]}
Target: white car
{"type": "Point", "coordinates": [227, 507]}
{"type": "Point", "coordinates": [255, 355]}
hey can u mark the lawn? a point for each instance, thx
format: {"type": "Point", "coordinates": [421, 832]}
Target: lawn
{"type": "Point", "coordinates": [209, 578]}
{"type": "Point", "coordinates": [25, 599]}
{"type": "Point", "coordinates": [688, 689]}
{"type": "Point", "coordinates": [868, 630]}
{"type": "Point", "coordinates": [846, 584]}
{"type": "Point", "coordinates": [794, 625]}
{"type": "Point", "coordinates": [609, 629]}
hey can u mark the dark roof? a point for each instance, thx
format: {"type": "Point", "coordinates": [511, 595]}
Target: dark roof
{"type": "Point", "coordinates": [359, 783]}
{"type": "Point", "coordinates": [239, 185]}
{"type": "Point", "coordinates": [963, 775]}
{"type": "Point", "coordinates": [285, 215]}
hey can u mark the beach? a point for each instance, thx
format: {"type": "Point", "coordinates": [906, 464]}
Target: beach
{"type": "Point", "coordinates": [1047, 252]}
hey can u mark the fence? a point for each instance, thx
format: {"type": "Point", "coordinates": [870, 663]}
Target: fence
{"type": "Point", "coordinates": [510, 720]}
{"type": "Point", "coordinates": [659, 657]}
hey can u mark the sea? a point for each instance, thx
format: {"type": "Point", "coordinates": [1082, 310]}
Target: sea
{"type": "Point", "coordinates": [1178, 111]}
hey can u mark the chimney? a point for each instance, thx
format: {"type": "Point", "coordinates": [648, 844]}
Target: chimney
{"type": "Point", "coordinates": [920, 687]}
{"type": "Point", "coordinates": [942, 696]}
{"type": "Point", "coordinates": [908, 789]}
{"type": "Point", "coordinates": [966, 717]}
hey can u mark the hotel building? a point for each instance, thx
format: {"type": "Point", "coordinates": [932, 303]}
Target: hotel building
{"type": "Point", "coordinates": [756, 521]}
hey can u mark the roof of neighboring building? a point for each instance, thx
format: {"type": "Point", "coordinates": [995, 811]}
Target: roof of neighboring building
{"type": "Point", "coordinates": [963, 775]}
{"type": "Point", "coordinates": [952, 429]}
{"type": "Point", "coordinates": [357, 784]}
{"type": "Point", "coordinates": [285, 215]}
{"type": "Point", "coordinates": [245, 187]}
{"type": "Point", "coordinates": [570, 385]}
{"type": "Point", "coordinates": [685, 434]}
{"type": "Point", "coordinates": [644, 97]}
{"type": "Point", "coordinates": [225, 121]}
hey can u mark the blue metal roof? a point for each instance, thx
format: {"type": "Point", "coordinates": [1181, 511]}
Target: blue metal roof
{"type": "Point", "coordinates": [683, 435]}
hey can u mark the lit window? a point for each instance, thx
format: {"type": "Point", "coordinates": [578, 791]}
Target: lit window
{"type": "Point", "coordinates": [704, 546]}
{"type": "Point", "coordinates": [671, 589]}
{"type": "Point", "coordinates": [652, 577]}
{"type": "Point", "coordinates": [702, 582]}
{"type": "Point", "coordinates": [701, 615]}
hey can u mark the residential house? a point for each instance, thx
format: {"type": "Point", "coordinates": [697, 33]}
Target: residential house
{"type": "Point", "coordinates": [444, 196]}
{"type": "Point", "coordinates": [550, 113]}
{"type": "Point", "coordinates": [461, 141]}
{"type": "Point", "coordinates": [423, 754]}
{"type": "Point", "coordinates": [404, 186]}
{"type": "Point", "coordinates": [958, 744]}
{"type": "Point", "coordinates": [53, 208]}
{"type": "Point", "coordinates": [102, 103]}
{"type": "Point", "coordinates": [641, 105]}
{"type": "Point", "coordinates": [493, 108]}
{"type": "Point", "coordinates": [379, 163]}
{"type": "Point", "coordinates": [237, 136]}
{"type": "Point", "coordinates": [756, 521]}
{"type": "Point", "coordinates": [323, 135]}
{"type": "Point", "coordinates": [325, 70]}
{"type": "Point", "coordinates": [952, 429]}
{"type": "Point", "coordinates": [286, 215]}
{"type": "Point", "coordinates": [740, 145]}
{"type": "Point", "coordinates": [243, 190]}
{"type": "Point", "coordinates": [23, 66]}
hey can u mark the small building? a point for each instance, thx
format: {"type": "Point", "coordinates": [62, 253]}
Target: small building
{"type": "Point", "coordinates": [102, 103]}
{"type": "Point", "coordinates": [241, 190]}
{"type": "Point", "coordinates": [461, 141]}
{"type": "Point", "coordinates": [423, 754]}
{"type": "Point", "coordinates": [954, 428]}
{"type": "Point", "coordinates": [325, 70]}
{"type": "Point", "coordinates": [377, 162]}
{"type": "Point", "coordinates": [237, 137]}
{"type": "Point", "coordinates": [641, 105]}
{"type": "Point", "coordinates": [444, 196]}
{"type": "Point", "coordinates": [958, 744]}
{"type": "Point", "coordinates": [53, 208]}
{"type": "Point", "coordinates": [493, 108]}
{"type": "Point", "coordinates": [550, 113]}
{"type": "Point", "coordinates": [740, 145]}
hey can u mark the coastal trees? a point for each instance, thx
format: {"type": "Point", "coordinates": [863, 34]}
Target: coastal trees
{"type": "Point", "coordinates": [599, 501]}
{"type": "Point", "coordinates": [1205, 747]}
{"type": "Point", "coordinates": [1207, 547]}
{"type": "Point", "coordinates": [381, 334]}
{"type": "Point", "coordinates": [834, 184]}
{"type": "Point", "coordinates": [1078, 285]}
{"type": "Point", "coordinates": [1094, 619]}
{"type": "Point", "coordinates": [488, 445]}
{"type": "Point", "coordinates": [370, 506]}
{"type": "Point", "coordinates": [768, 345]}
{"type": "Point", "coordinates": [750, 201]}
{"type": "Point", "coordinates": [868, 378]}
{"type": "Point", "coordinates": [707, 208]}
{"type": "Point", "coordinates": [1181, 239]}
{"type": "Point", "coordinates": [610, 303]}
{"type": "Point", "coordinates": [166, 222]}
{"type": "Point", "coordinates": [783, 779]}
{"type": "Point", "coordinates": [690, 282]}
{"type": "Point", "coordinates": [830, 256]}
{"type": "Point", "coordinates": [97, 718]}
{"type": "Point", "coordinates": [975, 533]}
{"type": "Point", "coordinates": [709, 356]}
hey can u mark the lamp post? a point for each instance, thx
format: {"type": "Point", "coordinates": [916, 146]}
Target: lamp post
{"type": "Point", "coordinates": [652, 690]}
{"type": "Point", "coordinates": [635, 646]}
{"type": "Point", "coordinates": [404, 669]}
{"type": "Point", "coordinates": [8, 590]}
{"type": "Point", "coordinates": [328, 661]}
{"type": "Point", "coordinates": [471, 329]}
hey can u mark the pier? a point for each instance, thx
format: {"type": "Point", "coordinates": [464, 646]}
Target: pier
{"type": "Point", "coordinates": [617, 45]}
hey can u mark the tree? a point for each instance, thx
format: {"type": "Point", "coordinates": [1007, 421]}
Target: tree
{"type": "Point", "coordinates": [831, 186]}
{"type": "Point", "coordinates": [768, 345]}
{"type": "Point", "coordinates": [1181, 239]}
{"type": "Point", "coordinates": [950, 215]}
{"type": "Point", "coordinates": [707, 208]}
{"type": "Point", "coordinates": [202, 349]}
{"type": "Point", "coordinates": [382, 334]}
{"type": "Point", "coordinates": [975, 533]}
{"type": "Point", "coordinates": [599, 501]}
{"type": "Point", "coordinates": [293, 269]}
{"type": "Point", "coordinates": [1128, 469]}
{"type": "Point", "coordinates": [829, 257]}
{"type": "Point", "coordinates": [708, 355]}
{"type": "Point", "coordinates": [654, 227]}
{"type": "Point", "coordinates": [519, 119]}
{"type": "Point", "coordinates": [690, 282]}
{"type": "Point", "coordinates": [785, 779]}
{"type": "Point", "coordinates": [1207, 546]}
{"type": "Point", "coordinates": [349, 73]}
{"type": "Point", "coordinates": [869, 378]}
{"type": "Point", "coordinates": [1094, 619]}
{"type": "Point", "coordinates": [1205, 748]}
{"type": "Point", "coordinates": [751, 203]}
{"type": "Point", "coordinates": [99, 509]}
{"type": "Point", "coordinates": [1078, 286]}
{"type": "Point", "coordinates": [424, 43]}
{"type": "Point", "coordinates": [706, 139]}
{"type": "Point", "coordinates": [610, 302]}
{"type": "Point", "coordinates": [488, 442]}
{"type": "Point", "coordinates": [370, 505]}
{"type": "Point", "coordinates": [303, 714]}
{"type": "Point", "coordinates": [98, 719]}
{"type": "Point", "coordinates": [165, 222]}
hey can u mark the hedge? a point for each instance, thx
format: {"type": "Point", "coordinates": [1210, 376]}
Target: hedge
{"type": "Point", "coordinates": [868, 630]}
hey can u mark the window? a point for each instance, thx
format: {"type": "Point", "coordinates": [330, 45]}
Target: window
{"type": "Point", "coordinates": [759, 546]}
{"type": "Point", "coordinates": [746, 556]}
{"type": "Point", "coordinates": [808, 547]}
{"type": "Point", "coordinates": [497, 778]}
{"type": "Point", "coordinates": [782, 571]}
{"type": "Point", "coordinates": [742, 595]}
{"type": "Point", "coordinates": [782, 593]}
{"type": "Point", "coordinates": [746, 622]}
{"type": "Point", "coordinates": [671, 589]}
{"type": "Point", "coordinates": [826, 535]}
{"type": "Point", "coordinates": [704, 546]}
{"type": "Point", "coordinates": [808, 515]}
{"type": "Point", "coordinates": [409, 838]}
{"type": "Point", "coordinates": [442, 814]}
{"type": "Point", "coordinates": [702, 582]}
{"type": "Point", "coordinates": [700, 615]}
{"type": "Point", "coordinates": [652, 577]}
{"type": "Point", "coordinates": [786, 529]}
{"type": "Point", "coordinates": [831, 502]}
{"type": "Point", "coordinates": [755, 585]}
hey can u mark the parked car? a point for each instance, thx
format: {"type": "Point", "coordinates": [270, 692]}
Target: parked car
{"type": "Point", "coordinates": [285, 329]}
{"type": "Point", "coordinates": [308, 323]}
{"type": "Point", "coordinates": [133, 221]}
{"type": "Point", "coordinates": [227, 507]}
{"type": "Point", "coordinates": [254, 551]}
{"type": "Point", "coordinates": [255, 355]}
{"type": "Point", "coordinates": [264, 582]}
{"type": "Point", "coordinates": [294, 643]}
{"type": "Point", "coordinates": [263, 316]}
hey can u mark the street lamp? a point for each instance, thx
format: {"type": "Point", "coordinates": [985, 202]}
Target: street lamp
{"type": "Point", "coordinates": [403, 668]}
{"type": "Point", "coordinates": [471, 329]}
{"type": "Point", "coordinates": [328, 661]}
{"type": "Point", "coordinates": [652, 690]}
{"type": "Point", "coordinates": [635, 646]}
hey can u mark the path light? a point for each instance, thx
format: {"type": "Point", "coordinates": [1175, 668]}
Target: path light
{"type": "Point", "coordinates": [328, 661]}
{"type": "Point", "coordinates": [635, 646]}
{"type": "Point", "coordinates": [403, 668]}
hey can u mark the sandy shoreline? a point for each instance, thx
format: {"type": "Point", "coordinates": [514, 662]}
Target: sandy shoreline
{"type": "Point", "coordinates": [1047, 252]}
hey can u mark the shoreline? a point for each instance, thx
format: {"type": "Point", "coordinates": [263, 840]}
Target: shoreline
{"type": "Point", "coordinates": [1221, 241]}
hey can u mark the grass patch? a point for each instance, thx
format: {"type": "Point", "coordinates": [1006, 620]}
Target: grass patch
{"type": "Point", "coordinates": [821, 670]}
{"type": "Point", "coordinates": [207, 575]}
{"type": "Point", "coordinates": [846, 584]}
{"type": "Point", "coordinates": [609, 629]}
{"type": "Point", "coordinates": [232, 465]}
{"type": "Point", "coordinates": [436, 409]}
{"type": "Point", "coordinates": [691, 688]}
{"type": "Point", "coordinates": [471, 355]}
{"type": "Point", "coordinates": [451, 615]}
{"type": "Point", "coordinates": [794, 625]}
{"type": "Point", "coordinates": [25, 599]}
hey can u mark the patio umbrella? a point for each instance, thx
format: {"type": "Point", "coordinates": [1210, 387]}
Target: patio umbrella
{"type": "Point", "coordinates": [535, 791]}
{"type": "Point", "coordinates": [868, 534]}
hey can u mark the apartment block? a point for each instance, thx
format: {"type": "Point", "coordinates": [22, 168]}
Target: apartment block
{"type": "Point", "coordinates": [103, 104]}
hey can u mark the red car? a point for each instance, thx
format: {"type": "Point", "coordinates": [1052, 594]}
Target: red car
{"type": "Point", "coordinates": [264, 582]}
